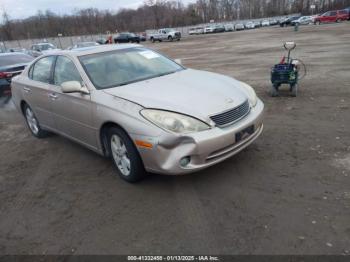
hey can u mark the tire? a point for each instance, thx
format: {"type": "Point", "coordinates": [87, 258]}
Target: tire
{"type": "Point", "coordinates": [294, 90]}
{"type": "Point", "coordinates": [152, 40]}
{"type": "Point", "coordinates": [170, 38]}
{"type": "Point", "coordinates": [33, 123]}
{"type": "Point", "coordinates": [274, 91]}
{"type": "Point", "coordinates": [337, 21]}
{"type": "Point", "coordinates": [125, 156]}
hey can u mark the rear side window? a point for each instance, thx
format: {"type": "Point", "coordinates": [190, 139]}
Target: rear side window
{"type": "Point", "coordinates": [333, 13]}
{"type": "Point", "coordinates": [65, 71]}
{"type": "Point", "coordinates": [41, 70]}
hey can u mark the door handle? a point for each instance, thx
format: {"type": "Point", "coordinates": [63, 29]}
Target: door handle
{"type": "Point", "coordinates": [53, 96]}
{"type": "Point", "coordinates": [26, 89]}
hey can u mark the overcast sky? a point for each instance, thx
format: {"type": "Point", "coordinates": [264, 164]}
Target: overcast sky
{"type": "Point", "coordinates": [25, 8]}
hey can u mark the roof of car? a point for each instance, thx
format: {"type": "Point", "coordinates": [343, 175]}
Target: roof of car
{"type": "Point", "coordinates": [95, 49]}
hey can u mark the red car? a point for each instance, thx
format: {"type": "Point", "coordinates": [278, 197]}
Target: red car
{"type": "Point", "coordinates": [332, 16]}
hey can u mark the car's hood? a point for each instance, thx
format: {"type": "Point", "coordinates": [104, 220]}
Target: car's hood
{"type": "Point", "coordinates": [191, 92]}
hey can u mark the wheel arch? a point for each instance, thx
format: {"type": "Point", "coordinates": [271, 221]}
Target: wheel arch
{"type": "Point", "coordinates": [23, 103]}
{"type": "Point", "coordinates": [103, 135]}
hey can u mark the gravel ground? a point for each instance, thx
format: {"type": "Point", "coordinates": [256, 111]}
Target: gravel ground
{"type": "Point", "coordinates": [288, 193]}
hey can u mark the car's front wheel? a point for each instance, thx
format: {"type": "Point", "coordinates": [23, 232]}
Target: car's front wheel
{"type": "Point", "coordinates": [125, 156]}
{"type": "Point", "coordinates": [33, 123]}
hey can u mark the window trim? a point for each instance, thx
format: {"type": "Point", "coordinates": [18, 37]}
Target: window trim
{"type": "Point", "coordinates": [54, 70]}
{"type": "Point", "coordinates": [31, 69]}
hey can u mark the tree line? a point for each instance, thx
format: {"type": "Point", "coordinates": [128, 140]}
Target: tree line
{"type": "Point", "coordinates": [154, 14]}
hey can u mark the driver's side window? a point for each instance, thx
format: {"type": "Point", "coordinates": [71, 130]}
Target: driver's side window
{"type": "Point", "coordinates": [65, 71]}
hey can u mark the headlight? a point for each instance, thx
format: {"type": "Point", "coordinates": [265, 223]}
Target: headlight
{"type": "Point", "coordinates": [253, 99]}
{"type": "Point", "coordinates": [174, 122]}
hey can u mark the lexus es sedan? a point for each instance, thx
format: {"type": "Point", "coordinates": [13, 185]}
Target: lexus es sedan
{"type": "Point", "coordinates": [143, 110]}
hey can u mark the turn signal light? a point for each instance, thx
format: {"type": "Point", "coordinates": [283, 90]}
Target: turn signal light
{"type": "Point", "coordinates": [145, 144]}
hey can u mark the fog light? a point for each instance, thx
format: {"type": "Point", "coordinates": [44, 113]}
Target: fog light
{"type": "Point", "coordinates": [185, 161]}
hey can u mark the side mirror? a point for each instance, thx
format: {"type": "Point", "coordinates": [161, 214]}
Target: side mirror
{"type": "Point", "coordinates": [289, 45]}
{"type": "Point", "coordinates": [178, 61]}
{"type": "Point", "coordinates": [74, 87]}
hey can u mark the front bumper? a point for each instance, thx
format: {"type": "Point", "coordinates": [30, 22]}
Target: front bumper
{"type": "Point", "coordinates": [205, 148]}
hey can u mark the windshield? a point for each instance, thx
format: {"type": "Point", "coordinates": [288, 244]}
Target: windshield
{"type": "Point", "coordinates": [46, 47]}
{"type": "Point", "coordinates": [121, 67]}
{"type": "Point", "coordinates": [13, 59]}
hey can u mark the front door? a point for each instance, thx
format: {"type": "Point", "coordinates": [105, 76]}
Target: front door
{"type": "Point", "coordinates": [72, 111]}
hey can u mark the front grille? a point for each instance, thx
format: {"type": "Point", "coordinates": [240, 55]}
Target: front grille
{"type": "Point", "coordinates": [231, 116]}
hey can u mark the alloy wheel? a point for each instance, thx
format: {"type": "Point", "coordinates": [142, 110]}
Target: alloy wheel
{"type": "Point", "coordinates": [32, 122]}
{"type": "Point", "coordinates": [120, 155]}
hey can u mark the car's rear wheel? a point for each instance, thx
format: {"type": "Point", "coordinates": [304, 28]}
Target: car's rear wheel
{"type": "Point", "coordinates": [170, 38]}
{"type": "Point", "coordinates": [152, 40]}
{"type": "Point", "coordinates": [33, 123]}
{"type": "Point", "coordinates": [274, 90]}
{"type": "Point", "coordinates": [125, 156]}
{"type": "Point", "coordinates": [337, 21]}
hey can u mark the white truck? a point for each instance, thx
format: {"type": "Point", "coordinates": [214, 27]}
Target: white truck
{"type": "Point", "coordinates": [165, 34]}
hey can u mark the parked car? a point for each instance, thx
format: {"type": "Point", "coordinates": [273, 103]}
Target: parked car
{"type": "Point", "coordinates": [11, 64]}
{"type": "Point", "coordinates": [219, 29]}
{"type": "Point", "coordinates": [196, 31]}
{"type": "Point", "coordinates": [136, 106]}
{"type": "Point", "coordinates": [332, 16]}
{"type": "Point", "coordinates": [126, 37]}
{"type": "Point", "coordinates": [265, 23]}
{"type": "Point", "coordinates": [229, 27]}
{"type": "Point", "coordinates": [257, 24]}
{"type": "Point", "coordinates": [192, 31]}
{"type": "Point", "coordinates": [348, 12]}
{"type": "Point", "coordinates": [249, 25]}
{"type": "Point", "coordinates": [273, 22]}
{"type": "Point", "coordinates": [209, 29]}
{"type": "Point", "coordinates": [288, 21]}
{"type": "Point", "coordinates": [102, 41]}
{"type": "Point", "coordinates": [42, 49]}
{"type": "Point", "coordinates": [239, 26]}
{"type": "Point", "coordinates": [165, 34]}
{"type": "Point", "coordinates": [304, 20]}
{"type": "Point", "coordinates": [200, 30]}
{"type": "Point", "coordinates": [142, 37]}
{"type": "Point", "coordinates": [83, 44]}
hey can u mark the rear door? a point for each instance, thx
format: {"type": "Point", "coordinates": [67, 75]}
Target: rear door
{"type": "Point", "coordinates": [72, 112]}
{"type": "Point", "coordinates": [36, 90]}
{"type": "Point", "coordinates": [332, 16]}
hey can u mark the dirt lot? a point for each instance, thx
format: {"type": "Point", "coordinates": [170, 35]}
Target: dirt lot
{"type": "Point", "coordinates": [288, 193]}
